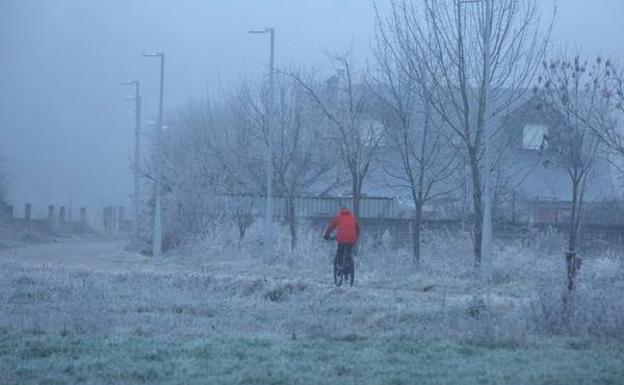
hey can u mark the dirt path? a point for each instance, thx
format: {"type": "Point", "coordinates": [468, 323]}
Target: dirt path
{"type": "Point", "coordinates": [108, 255]}
{"type": "Point", "coordinates": [93, 254]}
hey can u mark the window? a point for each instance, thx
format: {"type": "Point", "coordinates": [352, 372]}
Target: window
{"type": "Point", "coordinates": [535, 137]}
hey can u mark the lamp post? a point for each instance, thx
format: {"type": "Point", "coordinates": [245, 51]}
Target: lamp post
{"type": "Point", "coordinates": [486, 235]}
{"type": "Point", "coordinates": [268, 219]}
{"type": "Point", "coordinates": [157, 237]}
{"type": "Point", "coordinates": [137, 156]}
{"type": "Point", "coordinates": [487, 209]}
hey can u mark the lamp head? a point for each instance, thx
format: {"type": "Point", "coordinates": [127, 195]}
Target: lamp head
{"type": "Point", "coordinates": [260, 30]}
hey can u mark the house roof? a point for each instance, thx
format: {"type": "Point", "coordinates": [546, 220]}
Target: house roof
{"type": "Point", "coordinates": [524, 171]}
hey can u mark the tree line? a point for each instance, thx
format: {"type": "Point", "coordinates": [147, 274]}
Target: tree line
{"type": "Point", "coordinates": [443, 76]}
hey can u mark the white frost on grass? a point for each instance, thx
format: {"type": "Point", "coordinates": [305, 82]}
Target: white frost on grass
{"type": "Point", "coordinates": [213, 291]}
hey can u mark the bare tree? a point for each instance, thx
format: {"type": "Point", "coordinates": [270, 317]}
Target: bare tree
{"type": "Point", "coordinates": [573, 89]}
{"type": "Point", "coordinates": [607, 77]}
{"type": "Point", "coordinates": [412, 131]}
{"type": "Point", "coordinates": [616, 142]}
{"type": "Point", "coordinates": [346, 104]}
{"type": "Point", "coordinates": [479, 57]}
{"type": "Point", "coordinates": [214, 158]}
{"type": "Point", "coordinates": [193, 175]}
{"type": "Point", "coordinates": [300, 159]}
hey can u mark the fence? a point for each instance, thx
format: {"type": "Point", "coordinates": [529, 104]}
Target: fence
{"type": "Point", "coordinates": [58, 219]}
{"type": "Point", "coordinates": [380, 215]}
{"type": "Point", "coordinates": [29, 227]}
{"type": "Point", "coordinates": [591, 236]}
{"type": "Point", "coordinates": [310, 207]}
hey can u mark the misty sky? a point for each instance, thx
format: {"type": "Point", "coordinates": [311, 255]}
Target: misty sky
{"type": "Point", "coordinates": [66, 133]}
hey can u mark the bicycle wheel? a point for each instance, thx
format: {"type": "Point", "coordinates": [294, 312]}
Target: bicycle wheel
{"type": "Point", "coordinates": [337, 272]}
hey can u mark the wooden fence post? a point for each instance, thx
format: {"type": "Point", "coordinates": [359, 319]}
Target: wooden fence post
{"type": "Point", "coordinates": [121, 216]}
{"type": "Point", "coordinates": [83, 217]}
{"type": "Point", "coordinates": [62, 214]}
{"type": "Point", "coordinates": [27, 211]}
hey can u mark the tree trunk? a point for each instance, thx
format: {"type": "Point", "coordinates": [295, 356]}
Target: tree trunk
{"type": "Point", "coordinates": [241, 234]}
{"type": "Point", "coordinates": [573, 261]}
{"type": "Point", "coordinates": [416, 233]}
{"type": "Point", "coordinates": [242, 227]}
{"type": "Point", "coordinates": [292, 221]}
{"type": "Point", "coordinates": [357, 196]}
{"type": "Point", "coordinates": [418, 193]}
{"type": "Point", "coordinates": [243, 221]}
{"type": "Point", "coordinates": [513, 208]}
{"type": "Point", "coordinates": [477, 231]}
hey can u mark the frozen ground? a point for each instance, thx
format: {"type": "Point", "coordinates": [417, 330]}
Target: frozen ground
{"type": "Point", "coordinates": [88, 312]}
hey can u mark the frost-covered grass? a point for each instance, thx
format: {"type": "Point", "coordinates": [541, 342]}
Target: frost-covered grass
{"type": "Point", "coordinates": [214, 314]}
{"type": "Point", "coordinates": [273, 360]}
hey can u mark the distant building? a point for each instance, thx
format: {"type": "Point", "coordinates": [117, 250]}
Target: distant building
{"type": "Point", "coordinates": [528, 186]}
{"type": "Point", "coordinates": [538, 188]}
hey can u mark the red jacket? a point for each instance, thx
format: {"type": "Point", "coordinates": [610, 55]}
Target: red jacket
{"type": "Point", "coordinates": [348, 227]}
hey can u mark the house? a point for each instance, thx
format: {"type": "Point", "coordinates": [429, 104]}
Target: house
{"type": "Point", "coordinates": [538, 187]}
{"type": "Point", "coordinates": [529, 185]}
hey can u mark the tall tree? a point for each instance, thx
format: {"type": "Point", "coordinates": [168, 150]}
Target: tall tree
{"type": "Point", "coordinates": [478, 58]}
{"type": "Point", "coordinates": [215, 157]}
{"type": "Point", "coordinates": [300, 158]}
{"type": "Point", "coordinates": [573, 87]}
{"type": "Point", "coordinates": [608, 115]}
{"type": "Point", "coordinates": [195, 169]}
{"type": "Point", "coordinates": [411, 127]}
{"type": "Point", "coordinates": [346, 105]}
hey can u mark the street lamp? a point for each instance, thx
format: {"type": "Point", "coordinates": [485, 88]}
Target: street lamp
{"type": "Point", "coordinates": [137, 156]}
{"type": "Point", "coordinates": [486, 236]}
{"type": "Point", "coordinates": [268, 219]}
{"type": "Point", "coordinates": [157, 238]}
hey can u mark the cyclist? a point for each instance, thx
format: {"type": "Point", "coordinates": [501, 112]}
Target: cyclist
{"type": "Point", "coordinates": [348, 233]}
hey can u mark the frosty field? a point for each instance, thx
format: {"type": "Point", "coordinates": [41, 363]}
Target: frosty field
{"type": "Point", "coordinates": [92, 313]}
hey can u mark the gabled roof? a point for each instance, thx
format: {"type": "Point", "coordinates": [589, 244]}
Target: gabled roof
{"type": "Point", "coordinates": [524, 171]}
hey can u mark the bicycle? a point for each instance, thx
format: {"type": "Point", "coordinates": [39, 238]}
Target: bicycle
{"type": "Point", "coordinates": [344, 267]}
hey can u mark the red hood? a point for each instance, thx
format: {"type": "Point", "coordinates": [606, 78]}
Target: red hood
{"type": "Point", "coordinates": [347, 225]}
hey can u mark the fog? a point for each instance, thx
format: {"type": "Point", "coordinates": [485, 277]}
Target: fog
{"type": "Point", "coordinates": [66, 131]}
{"type": "Point", "coordinates": [424, 191]}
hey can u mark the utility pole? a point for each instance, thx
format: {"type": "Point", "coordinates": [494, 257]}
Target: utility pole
{"type": "Point", "coordinates": [268, 219]}
{"type": "Point", "coordinates": [137, 158]}
{"type": "Point", "coordinates": [157, 236]}
{"type": "Point", "coordinates": [486, 242]}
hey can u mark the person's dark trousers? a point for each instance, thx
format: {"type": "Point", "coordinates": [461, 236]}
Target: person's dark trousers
{"type": "Point", "coordinates": [344, 250]}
